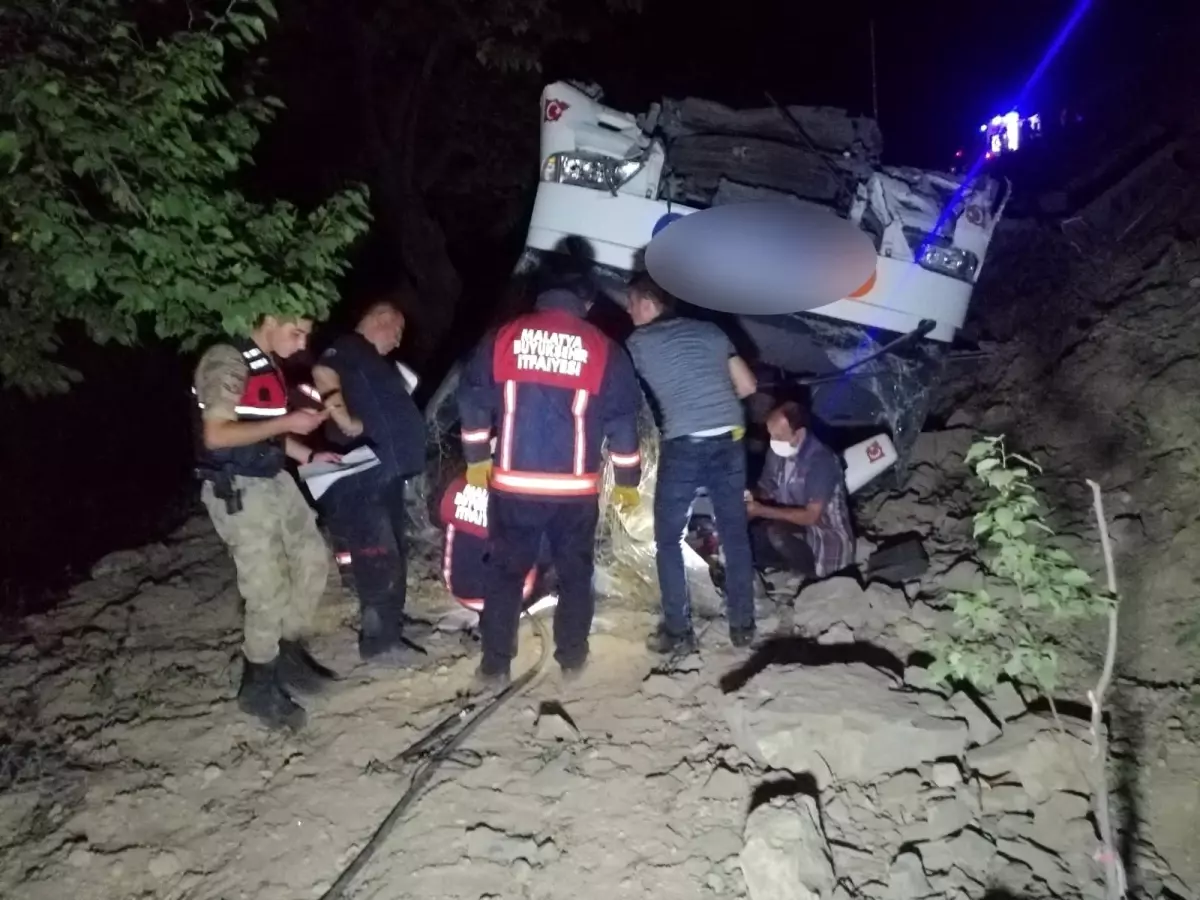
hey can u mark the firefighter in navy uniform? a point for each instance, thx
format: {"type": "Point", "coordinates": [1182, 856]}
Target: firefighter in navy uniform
{"type": "Point", "coordinates": [245, 437]}
{"type": "Point", "coordinates": [554, 389]}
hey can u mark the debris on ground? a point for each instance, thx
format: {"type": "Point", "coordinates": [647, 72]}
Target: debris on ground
{"type": "Point", "coordinates": [806, 768]}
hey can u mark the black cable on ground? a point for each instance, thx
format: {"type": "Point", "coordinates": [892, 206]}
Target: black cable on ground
{"type": "Point", "coordinates": [427, 769]}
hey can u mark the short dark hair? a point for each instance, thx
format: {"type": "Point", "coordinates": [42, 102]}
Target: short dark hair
{"type": "Point", "coordinates": [796, 414]}
{"type": "Point", "coordinates": [392, 303]}
{"type": "Point", "coordinates": [643, 284]}
{"type": "Point", "coordinates": [283, 318]}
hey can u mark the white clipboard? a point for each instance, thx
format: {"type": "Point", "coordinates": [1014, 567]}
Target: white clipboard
{"type": "Point", "coordinates": [320, 476]}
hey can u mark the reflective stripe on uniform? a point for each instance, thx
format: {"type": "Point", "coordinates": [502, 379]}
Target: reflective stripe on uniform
{"type": "Point", "coordinates": [256, 359]}
{"type": "Point", "coordinates": [309, 391]}
{"type": "Point", "coordinates": [343, 559]}
{"type": "Point", "coordinates": [264, 411]}
{"type": "Point", "coordinates": [447, 558]}
{"type": "Point", "coordinates": [625, 460]}
{"type": "Point", "coordinates": [254, 410]}
{"type": "Point", "coordinates": [578, 410]}
{"type": "Point", "coordinates": [506, 433]}
{"type": "Point", "coordinates": [478, 436]}
{"type": "Point", "coordinates": [545, 484]}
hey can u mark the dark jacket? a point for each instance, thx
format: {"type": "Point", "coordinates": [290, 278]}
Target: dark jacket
{"type": "Point", "coordinates": [376, 394]}
{"type": "Point", "coordinates": [554, 389]}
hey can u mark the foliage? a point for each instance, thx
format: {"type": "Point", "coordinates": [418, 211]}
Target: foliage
{"type": "Point", "coordinates": [478, 103]}
{"type": "Point", "coordinates": [120, 206]}
{"type": "Point", "coordinates": [1030, 587]}
{"type": "Point", "coordinates": [513, 35]}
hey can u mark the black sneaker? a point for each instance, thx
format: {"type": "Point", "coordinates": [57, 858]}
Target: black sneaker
{"type": "Point", "coordinates": [299, 671]}
{"type": "Point", "coordinates": [742, 637]}
{"type": "Point", "coordinates": [668, 644]}
{"type": "Point", "coordinates": [262, 696]}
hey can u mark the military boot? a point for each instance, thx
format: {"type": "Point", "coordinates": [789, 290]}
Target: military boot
{"type": "Point", "coordinates": [299, 671]}
{"type": "Point", "coordinates": [262, 696]}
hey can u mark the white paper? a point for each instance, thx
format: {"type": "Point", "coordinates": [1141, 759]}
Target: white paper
{"type": "Point", "coordinates": [319, 476]}
{"type": "Point", "coordinates": [411, 379]}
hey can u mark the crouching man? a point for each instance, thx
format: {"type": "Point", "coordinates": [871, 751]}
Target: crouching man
{"type": "Point", "coordinates": [800, 513]}
{"type": "Point", "coordinates": [245, 437]}
{"type": "Point", "coordinates": [465, 560]}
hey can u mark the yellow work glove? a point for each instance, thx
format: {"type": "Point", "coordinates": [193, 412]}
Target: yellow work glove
{"type": "Point", "coordinates": [626, 498]}
{"type": "Point", "coordinates": [479, 474]}
{"type": "Point", "coordinates": [738, 432]}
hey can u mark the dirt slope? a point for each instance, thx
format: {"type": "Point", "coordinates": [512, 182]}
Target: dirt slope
{"type": "Point", "coordinates": [128, 773]}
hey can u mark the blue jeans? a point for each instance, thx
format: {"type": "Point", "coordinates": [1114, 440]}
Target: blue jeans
{"type": "Point", "coordinates": [684, 466]}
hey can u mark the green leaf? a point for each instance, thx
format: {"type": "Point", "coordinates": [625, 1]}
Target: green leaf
{"type": "Point", "coordinates": [164, 242]}
{"type": "Point", "coordinates": [986, 465]}
{"type": "Point", "coordinates": [977, 451]}
{"type": "Point", "coordinates": [999, 479]}
{"type": "Point", "coordinates": [10, 149]}
{"type": "Point", "coordinates": [1076, 577]}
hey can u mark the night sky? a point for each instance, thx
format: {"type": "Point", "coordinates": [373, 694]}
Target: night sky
{"type": "Point", "coordinates": [943, 67]}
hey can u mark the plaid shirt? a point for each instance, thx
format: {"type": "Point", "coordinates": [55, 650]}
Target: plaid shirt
{"type": "Point", "coordinates": [814, 475]}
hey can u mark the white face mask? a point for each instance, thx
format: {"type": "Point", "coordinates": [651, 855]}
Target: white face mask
{"type": "Point", "coordinates": [784, 449]}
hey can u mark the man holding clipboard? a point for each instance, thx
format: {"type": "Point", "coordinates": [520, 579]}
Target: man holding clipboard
{"type": "Point", "coordinates": [368, 401]}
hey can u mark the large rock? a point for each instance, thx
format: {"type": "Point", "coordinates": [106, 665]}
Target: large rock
{"type": "Point", "coordinates": [839, 723]}
{"type": "Point", "coordinates": [865, 612]}
{"type": "Point", "coordinates": [1037, 756]}
{"type": "Point", "coordinates": [786, 855]}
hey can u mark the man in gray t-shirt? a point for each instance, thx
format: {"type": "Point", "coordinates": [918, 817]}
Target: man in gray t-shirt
{"type": "Point", "coordinates": [696, 381]}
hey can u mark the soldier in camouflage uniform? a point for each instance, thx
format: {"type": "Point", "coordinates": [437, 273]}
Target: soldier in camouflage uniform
{"type": "Point", "coordinates": [246, 434]}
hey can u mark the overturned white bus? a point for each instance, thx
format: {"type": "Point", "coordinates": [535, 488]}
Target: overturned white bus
{"type": "Point", "coordinates": [614, 179]}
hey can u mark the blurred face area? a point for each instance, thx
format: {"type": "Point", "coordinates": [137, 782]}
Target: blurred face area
{"type": "Point", "coordinates": [384, 328]}
{"type": "Point", "coordinates": [643, 309]}
{"type": "Point", "coordinates": [286, 337]}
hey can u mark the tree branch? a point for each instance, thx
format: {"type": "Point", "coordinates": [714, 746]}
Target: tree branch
{"type": "Point", "coordinates": [1114, 872]}
{"type": "Point", "coordinates": [409, 128]}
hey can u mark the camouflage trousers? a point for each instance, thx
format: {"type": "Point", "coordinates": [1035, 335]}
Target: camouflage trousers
{"type": "Point", "coordinates": [282, 561]}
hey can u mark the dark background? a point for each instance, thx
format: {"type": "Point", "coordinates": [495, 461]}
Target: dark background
{"type": "Point", "coordinates": [106, 466]}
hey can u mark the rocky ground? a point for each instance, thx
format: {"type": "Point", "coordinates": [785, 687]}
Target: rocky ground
{"type": "Point", "coordinates": [821, 765]}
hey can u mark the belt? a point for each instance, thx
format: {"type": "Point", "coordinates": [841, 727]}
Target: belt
{"type": "Point", "coordinates": [703, 438]}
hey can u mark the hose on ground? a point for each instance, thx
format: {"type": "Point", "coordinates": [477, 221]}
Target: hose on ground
{"type": "Point", "coordinates": [426, 770]}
